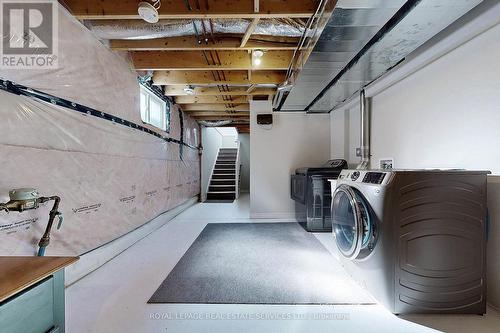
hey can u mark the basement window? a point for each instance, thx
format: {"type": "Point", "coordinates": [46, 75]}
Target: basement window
{"type": "Point", "coordinates": [154, 110]}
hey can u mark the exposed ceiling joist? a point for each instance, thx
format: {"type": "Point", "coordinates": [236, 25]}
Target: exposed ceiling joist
{"type": "Point", "coordinates": [195, 60]}
{"type": "Point", "coordinates": [219, 114]}
{"type": "Point", "coordinates": [219, 118]}
{"type": "Point", "coordinates": [249, 32]}
{"type": "Point", "coordinates": [211, 100]}
{"type": "Point", "coordinates": [215, 91]}
{"type": "Point", "coordinates": [251, 89]}
{"type": "Point", "coordinates": [190, 43]}
{"type": "Point", "coordinates": [127, 9]}
{"type": "Point", "coordinates": [214, 107]}
{"type": "Point", "coordinates": [206, 78]}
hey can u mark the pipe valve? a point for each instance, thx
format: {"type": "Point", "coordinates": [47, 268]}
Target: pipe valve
{"type": "Point", "coordinates": [28, 198]}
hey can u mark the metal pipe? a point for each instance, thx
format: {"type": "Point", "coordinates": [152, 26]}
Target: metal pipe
{"type": "Point", "coordinates": [365, 110]}
{"type": "Point", "coordinates": [54, 212]}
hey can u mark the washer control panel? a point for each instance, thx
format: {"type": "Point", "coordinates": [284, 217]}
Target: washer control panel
{"type": "Point", "coordinates": [374, 177]}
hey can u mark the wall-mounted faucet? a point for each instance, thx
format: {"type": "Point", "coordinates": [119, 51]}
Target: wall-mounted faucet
{"type": "Point", "coordinates": [28, 198]}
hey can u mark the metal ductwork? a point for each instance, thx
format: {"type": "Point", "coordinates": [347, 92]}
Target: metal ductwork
{"type": "Point", "coordinates": [365, 130]}
{"type": "Point", "coordinates": [362, 40]}
{"type": "Point", "coordinates": [136, 29]}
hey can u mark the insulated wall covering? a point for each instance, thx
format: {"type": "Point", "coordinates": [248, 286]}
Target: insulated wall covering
{"type": "Point", "coordinates": [111, 178]}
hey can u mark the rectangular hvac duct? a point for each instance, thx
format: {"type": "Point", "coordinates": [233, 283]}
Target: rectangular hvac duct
{"type": "Point", "coordinates": [362, 40]}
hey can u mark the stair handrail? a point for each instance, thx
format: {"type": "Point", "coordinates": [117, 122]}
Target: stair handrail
{"type": "Point", "coordinates": [237, 172]}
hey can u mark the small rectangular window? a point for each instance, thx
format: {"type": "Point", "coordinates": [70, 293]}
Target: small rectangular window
{"type": "Point", "coordinates": [154, 110]}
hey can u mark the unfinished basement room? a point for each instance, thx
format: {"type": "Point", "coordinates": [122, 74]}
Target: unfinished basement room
{"type": "Point", "coordinates": [249, 166]}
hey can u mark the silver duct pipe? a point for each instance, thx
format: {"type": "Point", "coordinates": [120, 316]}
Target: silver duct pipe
{"type": "Point", "coordinates": [365, 106]}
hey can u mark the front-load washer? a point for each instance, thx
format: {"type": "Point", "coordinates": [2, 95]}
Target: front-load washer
{"type": "Point", "coordinates": [415, 239]}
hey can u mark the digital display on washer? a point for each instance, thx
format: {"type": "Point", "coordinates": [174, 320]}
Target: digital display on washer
{"type": "Point", "coordinates": [374, 177]}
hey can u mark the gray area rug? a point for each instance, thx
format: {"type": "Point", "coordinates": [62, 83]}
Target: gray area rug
{"type": "Point", "coordinates": [258, 263]}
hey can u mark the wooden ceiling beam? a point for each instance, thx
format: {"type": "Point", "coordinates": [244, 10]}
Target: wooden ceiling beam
{"type": "Point", "coordinates": [206, 78]}
{"type": "Point", "coordinates": [219, 114]}
{"type": "Point", "coordinates": [214, 107]}
{"type": "Point", "coordinates": [219, 118]}
{"type": "Point", "coordinates": [195, 60]}
{"type": "Point", "coordinates": [215, 91]}
{"type": "Point", "coordinates": [211, 100]}
{"type": "Point", "coordinates": [249, 32]}
{"type": "Point", "coordinates": [190, 43]}
{"type": "Point", "coordinates": [127, 9]}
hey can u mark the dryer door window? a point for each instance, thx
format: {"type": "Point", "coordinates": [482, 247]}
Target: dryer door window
{"type": "Point", "coordinates": [351, 222]}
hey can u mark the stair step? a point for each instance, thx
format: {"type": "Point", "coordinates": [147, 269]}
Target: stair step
{"type": "Point", "coordinates": [224, 176]}
{"type": "Point", "coordinates": [221, 188]}
{"type": "Point", "coordinates": [221, 196]}
{"type": "Point", "coordinates": [230, 182]}
{"type": "Point", "coordinates": [225, 162]}
{"type": "Point", "coordinates": [228, 173]}
{"type": "Point", "coordinates": [225, 166]}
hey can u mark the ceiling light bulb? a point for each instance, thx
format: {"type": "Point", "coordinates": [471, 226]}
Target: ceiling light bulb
{"type": "Point", "coordinates": [189, 90]}
{"type": "Point", "coordinates": [257, 61]}
{"type": "Point", "coordinates": [258, 53]}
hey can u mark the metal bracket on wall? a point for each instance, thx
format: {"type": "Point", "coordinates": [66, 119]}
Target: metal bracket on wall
{"type": "Point", "coordinates": [18, 89]}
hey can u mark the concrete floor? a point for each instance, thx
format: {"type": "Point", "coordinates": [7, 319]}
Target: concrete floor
{"type": "Point", "coordinates": [113, 298]}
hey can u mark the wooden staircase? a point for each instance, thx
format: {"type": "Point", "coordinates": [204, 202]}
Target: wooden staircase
{"type": "Point", "coordinates": [222, 185]}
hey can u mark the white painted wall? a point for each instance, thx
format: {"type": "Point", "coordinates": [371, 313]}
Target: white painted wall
{"type": "Point", "coordinates": [212, 142]}
{"type": "Point", "coordinates": [244, 140]}
{"type": "Point", "coordinates": [446, 114]}
{"type": "Point", "coordinates": [294, 140]}
{"type": "Point", "coordinates": [229, 136]}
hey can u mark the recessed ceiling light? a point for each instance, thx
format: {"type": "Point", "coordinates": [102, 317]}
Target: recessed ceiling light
{"type": "Point", "coordinates": [148, 11]}
{"type": "Point", "coordinates": [189, 90]}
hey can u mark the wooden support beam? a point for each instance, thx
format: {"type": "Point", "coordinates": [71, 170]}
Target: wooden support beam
{"type": "Point", "coordinates": [249, 32]}
{"type": "Point", "coordinates": [211, 100]}
{"type": "Point", "coordinates": [195, 60]}
{"type": "Point", "coordinates": [215, 91]}
{"type": "Point", "coordinates": [190, 43]}
{"type": "Point", "coordinates": [217, 118]}
{"type": "Point", "coordinates": [206, 78]}
{"type": "Point", "coordinates": [213, 107]}
{"type": "Point", "coordinates": [219, 114]}
{"type": "Point", "coordinates": [251, 88]}
{"type": "Point", "coordinates": [127, 9]}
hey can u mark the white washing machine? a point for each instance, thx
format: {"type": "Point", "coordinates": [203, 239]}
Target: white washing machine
{"type": "Point", "coordinates": [414, 238]}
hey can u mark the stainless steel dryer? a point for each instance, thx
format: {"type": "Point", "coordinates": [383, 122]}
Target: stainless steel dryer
{"type": "Point", "coordinates": [415, 239]}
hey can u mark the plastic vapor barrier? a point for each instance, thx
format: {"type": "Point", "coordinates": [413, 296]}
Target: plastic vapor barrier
{"type": "Point", "coordinates": [111, 178]}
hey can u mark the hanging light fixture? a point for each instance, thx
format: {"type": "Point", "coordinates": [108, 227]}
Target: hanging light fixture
{"type": "Point", "coordinates": [189, 90]}
{"type": "Point", "coordinates": [258, 53]}
{"type": "Point", "coordinates": [257, 57]}
{"type": "Point", "coordinates": [148, 10]}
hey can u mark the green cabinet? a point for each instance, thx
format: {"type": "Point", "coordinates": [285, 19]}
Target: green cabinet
{"type": "Point", "coordinates": [37, 309]}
